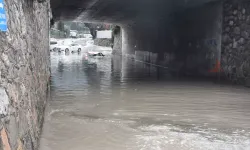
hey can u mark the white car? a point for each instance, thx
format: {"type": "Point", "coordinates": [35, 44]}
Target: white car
{"type": "Point", "coordinates": [53, 45]}
{"type": "Point", "coordinates": [56, 45]}
{"type": "Point", "coordinates": [95, 54]}
{"type": "Point", "coordinates": [90, 42]}
{"type": "Point", "coordinates": [88, 36]}
{"type": "Point", "coordinates": [70, 48]}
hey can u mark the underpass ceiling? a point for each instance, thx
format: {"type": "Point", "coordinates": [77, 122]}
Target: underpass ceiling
{"type": "Point", "coordinates": [119, 11]}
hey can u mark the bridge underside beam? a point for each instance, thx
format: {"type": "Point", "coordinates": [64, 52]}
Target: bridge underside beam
{"type": "Point", "coordinates": [119, 11]}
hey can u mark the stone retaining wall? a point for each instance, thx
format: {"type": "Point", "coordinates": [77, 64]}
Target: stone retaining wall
{"type": "Point", "coordinates": [24, 73]}
{"type": "Point", "coordinates": [235, 41]}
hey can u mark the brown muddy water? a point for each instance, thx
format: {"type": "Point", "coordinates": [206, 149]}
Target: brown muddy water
{"type": "Point", "coordinates": [113, 103]}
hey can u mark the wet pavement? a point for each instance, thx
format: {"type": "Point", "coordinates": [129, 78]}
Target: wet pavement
{"type": "Point", "coordinates": [114, 103]}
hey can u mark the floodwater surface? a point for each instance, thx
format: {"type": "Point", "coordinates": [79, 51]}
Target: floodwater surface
{"type": "Point", "coordinates": [114, 103]}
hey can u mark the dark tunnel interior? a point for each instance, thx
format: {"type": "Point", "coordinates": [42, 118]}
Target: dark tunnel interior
{"type": "Point", "coordinates": [184, 35]}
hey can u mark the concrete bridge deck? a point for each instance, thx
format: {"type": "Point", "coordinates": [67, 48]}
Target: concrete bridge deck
{"type": "Point", "coordinates": [120, 11]}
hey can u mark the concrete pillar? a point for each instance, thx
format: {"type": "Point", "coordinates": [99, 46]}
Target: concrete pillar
{"type": "Point", "coordinates": [128, 40]}
{"type": "Point", "coordinates": [117, 41]}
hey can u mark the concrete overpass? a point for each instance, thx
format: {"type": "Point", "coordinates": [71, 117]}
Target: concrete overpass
{"type": "Point", "coordinates": [182, 34]}
{"type": "Point", "coordinates": [191, 36]}
{"type": "Point", "coordinates": [120, 11]}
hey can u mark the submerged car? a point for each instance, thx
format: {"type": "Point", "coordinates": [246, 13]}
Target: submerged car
{"type": "Point", "coordinates": [75, 48]}
{"type": "Point", "coordinates": [90, 42]}
{"type": "Point", "coordinates": [92, 58]}
{"type": "Point", "coordinates": [56, 45]}
{"type": "Point", "coordinates": [95, 54]}
{"type": "Point", "coordinates": [53, 45]}
{"type": "Point", "coordinates": [88, 36]}
{"type": "Point", "coordinates": [70, 48]}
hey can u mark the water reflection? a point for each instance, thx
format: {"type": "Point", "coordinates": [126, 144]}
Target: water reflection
{"type": "Point", "coordinates": [116, 103]}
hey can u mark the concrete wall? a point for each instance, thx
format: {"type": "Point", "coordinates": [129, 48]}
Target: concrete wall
{"type": "Point", "coordinates": [24, 73]}
{"type": "Point", "coordinates": [147, 41]}
{"type": "Point", "coordinates": [128, 40]}
{"type": "Point", "coordinates": [187, 41]}
{"type": "Point", "coordinates": [235, 41]}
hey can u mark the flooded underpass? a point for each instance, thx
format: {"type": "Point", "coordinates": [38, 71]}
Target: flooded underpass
{"type": "Point", "coordinates": [115, 103]}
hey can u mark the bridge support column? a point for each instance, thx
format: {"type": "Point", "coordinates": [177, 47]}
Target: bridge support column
{"type": "Point", "coordinates": [128, 40]}
{"type": "Point", "coordinates": [117, 40]}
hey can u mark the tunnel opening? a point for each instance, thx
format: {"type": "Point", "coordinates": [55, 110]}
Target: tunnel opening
{"type": "Point", "coordinates": [184, 36]}
{"type": "Point", "coordinates": [64, 34]}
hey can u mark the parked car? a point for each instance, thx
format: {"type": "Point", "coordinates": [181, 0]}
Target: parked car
{"type": "Point", "coordinates": [70, 48]}
{"type": "Point", "coordinates": [75, 48]}
{"type": "Point", "coordinates": [80, 36]}
{"type": "Point", "coordinates": [88, 36]}
{"type": "Point", "coordinates": [53, 45]}
{"type": "Point", "coordinates": [90, 42]}
{"type": "Point", "coordinates": [56, 45]}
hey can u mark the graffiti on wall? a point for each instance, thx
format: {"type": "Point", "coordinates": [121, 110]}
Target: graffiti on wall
{"type": "Point", "coordinates": [212, 54]}
{"type": "Point", "coordinates": [211, 42]}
